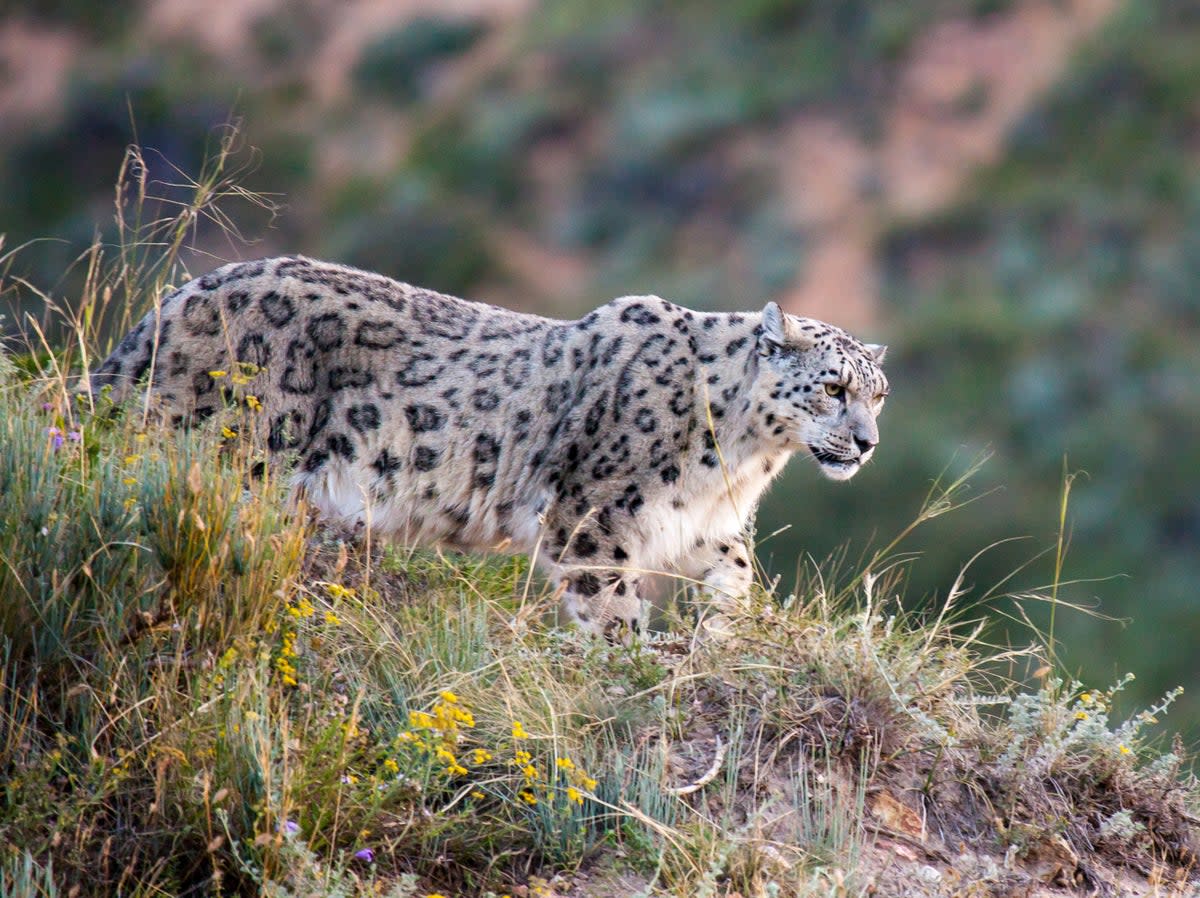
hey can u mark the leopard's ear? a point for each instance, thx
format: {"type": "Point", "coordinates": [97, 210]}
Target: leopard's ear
{"type": "Point", "coordinates": [878, 351]}
{"type": "Point", "coordinates": [780, 330]}
{"type": "Point", "coordinates": [773, 324]}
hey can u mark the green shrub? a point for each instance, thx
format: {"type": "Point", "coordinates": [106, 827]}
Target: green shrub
{"type": "Point", "coordinates": [392, 67]}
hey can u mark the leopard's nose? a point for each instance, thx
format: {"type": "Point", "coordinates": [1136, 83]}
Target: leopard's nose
{"type": "Point", "coordinates": [864, 446]}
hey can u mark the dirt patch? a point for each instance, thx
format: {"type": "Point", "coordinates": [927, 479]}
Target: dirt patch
{"type": "Point", "coordinates": [35, 62]}
{"type": "Point", "coordinates": [225, 30]}
{"type": "Point", "coordinates": [964, 84]}
{"type": "Point", "coordinates": [222, 29]}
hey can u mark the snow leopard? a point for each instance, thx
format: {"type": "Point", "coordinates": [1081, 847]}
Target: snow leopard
{"type": "Point", "coordinates": [638, 438]}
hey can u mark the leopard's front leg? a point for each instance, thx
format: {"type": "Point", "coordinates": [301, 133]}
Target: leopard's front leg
{"type": "Point", "coordinates": [722, 572]}
{"type": "Point", "coordinates": [606, 603]}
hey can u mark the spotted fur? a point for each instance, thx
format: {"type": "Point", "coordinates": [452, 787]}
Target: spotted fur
{"type": "Point", "coordinates": [638, 438]}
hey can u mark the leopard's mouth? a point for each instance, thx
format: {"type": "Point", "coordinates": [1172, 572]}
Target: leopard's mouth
{"type": "Point", "coordinates": [835, 467]}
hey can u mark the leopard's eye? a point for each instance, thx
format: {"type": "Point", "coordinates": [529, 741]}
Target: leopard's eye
{"type": "Point", "coordinates": [834, 390]}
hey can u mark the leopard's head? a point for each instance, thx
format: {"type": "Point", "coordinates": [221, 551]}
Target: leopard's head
{"type": "Point", "coordinates": [819, 389]}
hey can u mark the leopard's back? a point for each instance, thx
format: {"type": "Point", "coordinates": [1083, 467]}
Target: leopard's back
{"type": "Point", "coordinates": [391, 401]}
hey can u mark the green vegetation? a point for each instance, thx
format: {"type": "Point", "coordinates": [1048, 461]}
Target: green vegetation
{"type": "Point", "coordinates": [106, 20]}
{"type": "Point", "coordinates": [391, 67]}
{"type": "Point", "coordinates": [1058, 301]}
{"type": "Point", "coordinates": [201, 694]}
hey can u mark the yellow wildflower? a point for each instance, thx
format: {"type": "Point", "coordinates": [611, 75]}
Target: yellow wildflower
{"type": "Point", "coordinates": [574, 795]}
{"type": "Point", "coordinates": [1086, 698]}
{"type": "Point", "coordinates": [518, 730]}
{"type": "Point", "coordinates": [1081, 715]}
{"type": "Point", "coordinates": [420, 720]}
{"type": "Point", "coordinates": [302, 608]}
{"type": "Point", "coordinates": [528, 797]}
{"type": "Point", "coordinates": [1125, 749]}
{"type": "Point", "coordinates": [217, 374]}
{"type": "Point", "coordinates": [332, 619]}
{"type": "Point", "coordinates": [476, 794]}
{"type": "Point", "coordinates": [564, 764]}
{"type": "Point", "coordinates": [481, 756]}
{"type": "Point", "coordinates": [449, 697]}
{"type": "Point", "coordinates": [129, 481]}
{"type": "Point", "coordinates": [391, 766]}
{"type": "Point", "coordinates": [228, 433]}
{"type": "Point", "coordinates": [253, 404]}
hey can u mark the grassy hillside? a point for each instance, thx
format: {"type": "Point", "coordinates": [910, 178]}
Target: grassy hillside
{"type": "Point", "coordinates": [202, 692]}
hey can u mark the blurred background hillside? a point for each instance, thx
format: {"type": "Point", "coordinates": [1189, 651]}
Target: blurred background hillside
{"type": "Point", "coordinates": [1007, 192]}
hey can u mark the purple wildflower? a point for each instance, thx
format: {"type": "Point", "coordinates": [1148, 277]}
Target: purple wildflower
{"type": "Point", "coordinates": [75, 436]}
{"type": "Point", "coordinates": [57, 436]}
{"type": "Point", "coordinates": [290, 827]}
{"type": "Point", "coordinates": [365, 854]}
